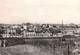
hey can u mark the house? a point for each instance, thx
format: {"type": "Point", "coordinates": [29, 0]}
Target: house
{"type": "Point", "coordinates": [11, 32]}
{"type": "Point", "coordinates": [78, 30]}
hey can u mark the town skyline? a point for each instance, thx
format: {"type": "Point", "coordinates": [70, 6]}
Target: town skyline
{"type": "Point", "coordinates": [40, 23]}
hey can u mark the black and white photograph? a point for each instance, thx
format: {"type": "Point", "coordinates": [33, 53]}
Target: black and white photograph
{"type": "Point", "coordinates": [39, 27]}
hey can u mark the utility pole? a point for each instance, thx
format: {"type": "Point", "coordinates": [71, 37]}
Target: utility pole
{"type": "Point", "coordinates": [62, 25]}
{"type": "Point", "coordinates": [24, 34]}
{"type": "Point", "coordinates": [68, 50]}
{"type": "Point", "coordinates": [54, 48]}
{"type": "Point", "coordinates": [62, 30]}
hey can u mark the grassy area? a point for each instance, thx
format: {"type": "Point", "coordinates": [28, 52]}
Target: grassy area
{"type": "Point", "coordinates": [37, 47]}
{"type": "Point", "coordinates": [28, 50]}
{"type": "Point", "coordinates": [35, 50]}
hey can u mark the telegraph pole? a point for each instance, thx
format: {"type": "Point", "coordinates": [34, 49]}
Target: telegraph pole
{"type": "Point", "coordinates": [62, 30]}
{"type": "Point", "coordinates": [62, 25]}
{"type": "Point", "coordinates": [68, 50]}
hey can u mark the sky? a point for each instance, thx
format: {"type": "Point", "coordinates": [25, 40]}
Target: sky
{"type": "Point", "coordinates": [40, 11]}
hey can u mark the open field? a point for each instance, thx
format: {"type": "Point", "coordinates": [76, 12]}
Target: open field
{"type": "Point", "coordinates": [25, 50]}
{"type": "Point", "coordinates": [37, 47]}
{"type": "Point", "coordinates": [29, 49]}
{"type": "Point", "coordinates": [32, 50]}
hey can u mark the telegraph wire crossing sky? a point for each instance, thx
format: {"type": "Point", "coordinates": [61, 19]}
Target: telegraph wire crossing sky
{"type": "Point", "coordinates": [40, 11]}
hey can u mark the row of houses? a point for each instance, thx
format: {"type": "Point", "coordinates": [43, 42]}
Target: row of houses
{"type": "Point", "coordinates": [29, 29]}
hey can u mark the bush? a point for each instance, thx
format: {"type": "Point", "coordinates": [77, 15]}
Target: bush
{"type": "Point", "coordinates": [11, 42]}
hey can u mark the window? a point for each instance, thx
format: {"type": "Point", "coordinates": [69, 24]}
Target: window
{"type": "Point", "coordinates": [13, 33]}
{"type": "Point", "coordinates": [9, 32]}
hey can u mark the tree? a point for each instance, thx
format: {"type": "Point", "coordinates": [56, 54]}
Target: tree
{"type": "Point", "coordinates": [18, 31]}
{"type": "Point", "coordinates": [51, 30]}
{"type": "Point", "coordinates": [2, 31]}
